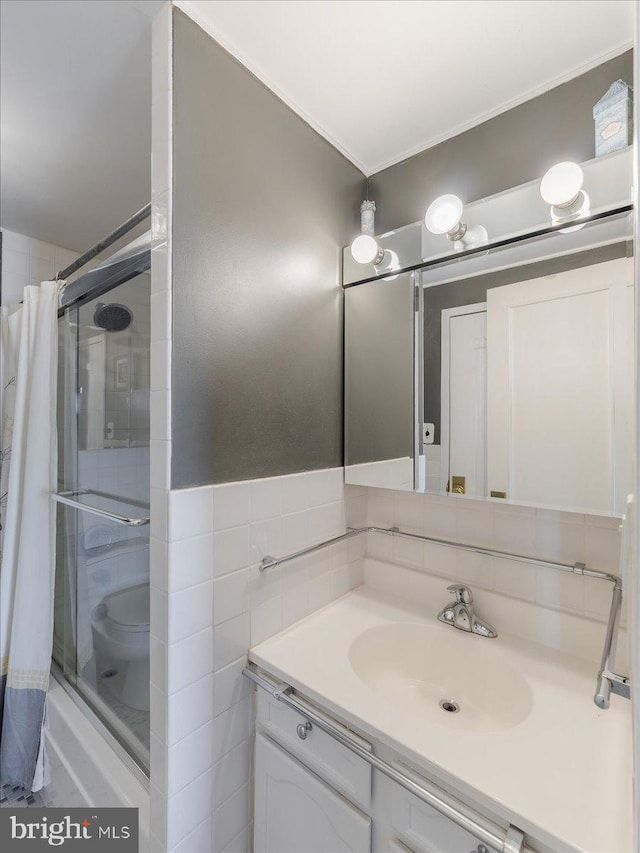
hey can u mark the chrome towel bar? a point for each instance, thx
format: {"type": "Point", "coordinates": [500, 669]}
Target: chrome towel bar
{"type": "Point", "coordinates": [270, 562]}
{"type": "Point", "coordinates": [575, 568]}
{"type": "Point", "coordinates": [608, 681]}
{"type": "Point", "coordinates": [511, 841]}
{"type": "Point", "coordinates": [68, 499]}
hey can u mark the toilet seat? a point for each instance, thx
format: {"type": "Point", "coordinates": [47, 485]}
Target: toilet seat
{"type": "Point", "coordinates": [120, 629]}
{"type": "Point", "coordinates": [128, 610]}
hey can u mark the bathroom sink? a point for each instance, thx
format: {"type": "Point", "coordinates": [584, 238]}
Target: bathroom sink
{"type": "Point", "coordinates": [443, 675]}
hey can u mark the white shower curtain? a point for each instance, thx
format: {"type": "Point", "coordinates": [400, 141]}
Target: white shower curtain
{"type": "Point", "coordinates": [28, 379]}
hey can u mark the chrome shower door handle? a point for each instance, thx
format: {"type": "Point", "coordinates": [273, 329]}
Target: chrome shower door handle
{"type": "Point", "coordinates": [68, 499]}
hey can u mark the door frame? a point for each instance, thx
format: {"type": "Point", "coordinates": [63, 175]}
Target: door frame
{"type": "Point", "coordinates": [445, 374]}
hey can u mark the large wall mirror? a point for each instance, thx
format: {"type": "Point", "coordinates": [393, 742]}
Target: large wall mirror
{"type": "Point", "coordinates": [506, 375]}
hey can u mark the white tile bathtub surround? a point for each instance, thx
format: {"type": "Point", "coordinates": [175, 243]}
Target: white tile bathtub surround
{"type": "Point", "coordinates": [28, 261]}
{"type": "Point", "coordinates": [122, 471]}
{"type": "Point", "coordinates": [555, 535]}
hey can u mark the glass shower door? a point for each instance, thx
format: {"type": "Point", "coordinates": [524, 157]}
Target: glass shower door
{"type": "Point", "coordinates": [102, 574]}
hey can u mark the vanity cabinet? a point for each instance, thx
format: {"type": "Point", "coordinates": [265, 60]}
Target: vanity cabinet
{"type": "Point", "coordinates": [422, 828]}
{"type": "Point", "coordinates": [314, 795]}
{"type": "Point", "coordinates": [295, 811]}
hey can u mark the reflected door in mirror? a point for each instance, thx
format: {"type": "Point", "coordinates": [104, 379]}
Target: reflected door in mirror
{"type": "Point", "coordinates": [464, 400]}
{"type": "Point", "coordinates": [560, 359]}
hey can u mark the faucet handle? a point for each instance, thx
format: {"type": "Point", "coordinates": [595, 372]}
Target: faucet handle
{"type": "Point", "coordinates": [462, 593]}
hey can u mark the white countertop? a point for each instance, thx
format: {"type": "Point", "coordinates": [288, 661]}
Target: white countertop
{"type": "Point", "coordinates": [563, 774]}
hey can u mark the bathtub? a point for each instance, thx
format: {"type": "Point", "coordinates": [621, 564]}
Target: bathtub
{"type": "Point", "coordinates": [85, 769]}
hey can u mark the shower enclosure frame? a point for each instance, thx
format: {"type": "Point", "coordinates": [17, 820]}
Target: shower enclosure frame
{"type": "Point", "coordinates": [124, 266]}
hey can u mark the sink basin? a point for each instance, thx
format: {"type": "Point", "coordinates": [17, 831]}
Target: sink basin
{"type": "Point", "coordinates": [442, 675]}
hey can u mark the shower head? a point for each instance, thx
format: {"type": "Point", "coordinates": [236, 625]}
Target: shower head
{"type": "Point", "coordinates": [112, 317]}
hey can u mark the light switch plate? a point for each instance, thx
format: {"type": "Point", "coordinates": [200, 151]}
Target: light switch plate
{"type": "Point", "coordinates": [428, 431]}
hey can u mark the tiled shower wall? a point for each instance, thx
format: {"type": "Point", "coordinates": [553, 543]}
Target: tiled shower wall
{"type": "Point", "coordinates": [27, 261]}
{"type": "Point", "coordinates": [122, 471]}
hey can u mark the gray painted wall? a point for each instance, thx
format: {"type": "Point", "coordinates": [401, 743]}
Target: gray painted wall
{"type": "Point", "coordinates": [261, 207]}
{"type": "Point", "coordinates": [510, 149]}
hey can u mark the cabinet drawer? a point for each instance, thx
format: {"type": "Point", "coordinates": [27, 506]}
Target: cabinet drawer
{"type": "Point", "coordinates": [341, 768]}
{"type": "Point", "coordinates": [426, 830]}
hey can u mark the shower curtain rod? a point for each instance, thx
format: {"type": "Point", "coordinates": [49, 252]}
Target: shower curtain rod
{"type": "Point", "coordinates": [107, 241]}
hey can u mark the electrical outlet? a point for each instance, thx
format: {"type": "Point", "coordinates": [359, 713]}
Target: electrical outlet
{"type": "Point", "coordinates": [428, 432]}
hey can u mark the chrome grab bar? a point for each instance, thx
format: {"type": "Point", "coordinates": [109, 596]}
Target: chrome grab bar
{"type": "Point", "coordinates": [509, 841]}
{"type": "Point", "coordinates": [608, 681]}
{"type": "Point", "coordinates": [575, 568]}
{"type": "Point", "coordinates": [67, 498]}
{"type": "Point", "coordinates": [271, 562]}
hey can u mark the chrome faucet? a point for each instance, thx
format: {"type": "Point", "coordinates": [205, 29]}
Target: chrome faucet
{"type": "Point", "coordinates": [459, 613]}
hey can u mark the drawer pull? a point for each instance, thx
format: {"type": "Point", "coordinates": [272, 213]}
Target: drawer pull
{"type": "Point", "coordinates": [303, 730]}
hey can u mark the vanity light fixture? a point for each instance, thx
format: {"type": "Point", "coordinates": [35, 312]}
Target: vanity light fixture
{"type": "Point", "coordinates": [365, 249]}
{"type": "Point", "coordinates": [561, 188]}
{"type": "Point", "coordinates": [389, 263]}
{"type": "Point", "coordinates": [444, 216]}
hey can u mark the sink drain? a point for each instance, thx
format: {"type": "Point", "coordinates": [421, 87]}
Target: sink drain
{"type": "Point", "coordinates": [449, 706]}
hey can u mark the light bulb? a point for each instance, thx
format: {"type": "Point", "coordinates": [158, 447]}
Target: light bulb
{"type": "Point", "coordinates": [475, 236]}
{"type": "Point", "coordinates": [580, 208]}
{"type": "Point", "coordinates": [388, 263]}
{"type": "Point", "coordinates": [561, 185]}
{"type": "Point", "coordinates": [443, 214]}
{"type": "Point", "coordinates": [364, 249]}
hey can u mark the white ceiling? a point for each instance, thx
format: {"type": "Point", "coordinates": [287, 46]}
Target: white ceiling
{"type": "Point", "coordinates": [383, 79]}
{"type": "Point", "coordinates": [76, 116]}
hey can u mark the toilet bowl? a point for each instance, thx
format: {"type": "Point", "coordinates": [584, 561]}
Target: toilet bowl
{"type": "Point", "coordinates": [121, 634]}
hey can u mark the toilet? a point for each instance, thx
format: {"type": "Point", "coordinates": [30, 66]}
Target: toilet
{"type": "Point", "coordinates": [120, 628]}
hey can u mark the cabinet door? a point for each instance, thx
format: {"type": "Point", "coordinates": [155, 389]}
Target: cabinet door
{"type": "Point", "coordinates": [428, 831]}
{"type": "Point", "coordinates": [297, 813]}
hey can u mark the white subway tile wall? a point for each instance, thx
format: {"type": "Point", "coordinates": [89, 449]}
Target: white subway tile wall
{"type": "Point", "coordinates": [562, 536]}
{"type": "Point", "coordinates": [218, 604]}
{"type": "Point", "coordinates": [28, 261]}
